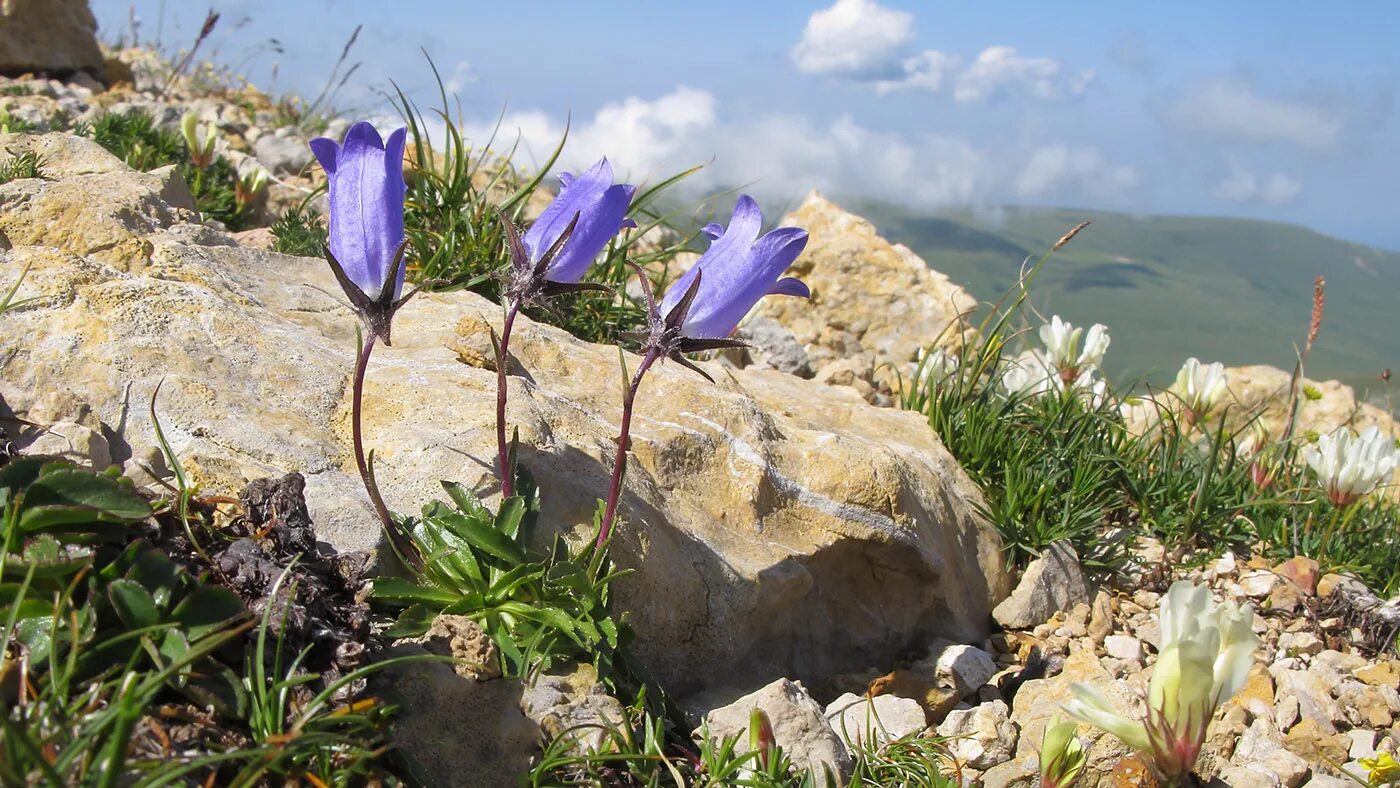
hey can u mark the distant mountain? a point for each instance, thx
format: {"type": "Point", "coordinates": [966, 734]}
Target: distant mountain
{"type": "Point", "coordinates": [1168, 287]}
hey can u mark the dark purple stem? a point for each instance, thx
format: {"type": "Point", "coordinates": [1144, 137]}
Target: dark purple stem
{"type": "Point", "coordinates": [623, 441]}
{"type": "Point", "coordinates": [397, 541]}
{"type": "Point", "coordinates": [503, 450]}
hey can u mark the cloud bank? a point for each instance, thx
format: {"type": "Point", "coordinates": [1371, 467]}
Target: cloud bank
{"type": "Point", "coordinates": [863, 41]}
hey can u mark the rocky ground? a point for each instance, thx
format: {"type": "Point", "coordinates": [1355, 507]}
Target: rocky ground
{"type": "Point", "coordinates": [797, 547]}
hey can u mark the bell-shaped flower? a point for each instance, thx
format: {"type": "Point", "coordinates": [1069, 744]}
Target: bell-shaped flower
{"type": "Point", "coordinates": [367, 190]}
{"type": "Point", "coordinates": [736, 271]}
{"type": "Point", "coordinates": [586, 214]}
{"type": "Point", "coordinates": [1061, 754]}
{"type": "Point", "coordinates": [1206, 653]}
{"type": "Point", "coordinates": [1061, 340]}
{"type": "Point", "coordinates": [198, 142]}
{"type": "Point", "coordinates": [1200, 388]}
{"type": "Point", "coordinates": [1350, 466]}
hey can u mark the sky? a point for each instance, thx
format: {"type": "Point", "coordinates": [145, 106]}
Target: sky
{"type": "Point", "coordinates": [1269, 110]}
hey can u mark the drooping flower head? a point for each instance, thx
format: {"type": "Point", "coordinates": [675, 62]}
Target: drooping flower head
{"type": "Point", "coordinates": [1061, 340]}
{"type": "Point", "coordinates": [1350, 466]}
{"type": "Point", "coordinates": [595, 207]}
{"type": "Point", "coordinates": [365, 177]}
{"type": "Point", "coordinates": [736, 271]}
{"type": "Point", "coordinates": [1207, 651]}
{"type": "Point", "coordinates": [1200, 387]}
{"type": "Point", "coordinates": [366, 185]}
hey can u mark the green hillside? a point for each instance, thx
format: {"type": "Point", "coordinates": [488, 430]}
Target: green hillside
{"type": "Point", "coordinates": [1168, 287]}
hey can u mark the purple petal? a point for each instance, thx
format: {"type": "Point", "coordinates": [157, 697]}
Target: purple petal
{"type": "Point", "coordinates": [366, 204]}
{"type": "Point", "coordinates": [713, 229]}
{"type": "Point", "coordinates": [738, 271]}
{"type": "Point", "coordinates": [601, 207]}
{"type": "Point", "coordinates": [791, 286]}
{"type": "Point", "coordinates": [325, 151]}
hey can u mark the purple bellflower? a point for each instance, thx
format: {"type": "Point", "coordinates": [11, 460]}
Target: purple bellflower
{"type": "Point", "coordinates": [739, 268]}
{"type": "Point", "coordinates": [601, 207]}
{"type": "Point", "coordinates": [366, 252]}
{"type": "Point", "coordinates": [552, 258]}
{"type": "Point", "coordinates": [703, 307]}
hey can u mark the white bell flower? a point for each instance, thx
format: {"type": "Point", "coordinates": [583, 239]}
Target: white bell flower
{"type": "Point", "coordinates": [1207, 651]}
{"type": "Point", "coordinates": [1350, 466]}
{"type": "Point", "coordinates": [1200, 388]}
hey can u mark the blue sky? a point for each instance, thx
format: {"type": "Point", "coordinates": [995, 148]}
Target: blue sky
{"type": "Point", "coordinates": [1281, 111]}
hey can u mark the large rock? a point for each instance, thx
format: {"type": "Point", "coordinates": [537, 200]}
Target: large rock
{"type": "Point", "coordinates": [55, 36]}
{"type": "Point", "coordinates": [775, 526]}
{"type": "Point", "coordinates": [800, 728]}
{"type": "Point", "coordinates": [871, 299]}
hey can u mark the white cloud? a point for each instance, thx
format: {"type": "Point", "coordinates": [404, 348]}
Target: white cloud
{"type": "Point", "coordinates": [781, 156]}
{"type": "Point", "coordinates": [1241, 185]}
{"type": "Point", "coordinates": [1000, 69]}
{"type": "Point", "coordinates": [929, 70]}
{"type": "Point", "coordinates": [864, 41]}
{"type": "Point", "coordinates": [854, 38]}
{"type": "Point", "coordinates": [1055, 169]}
{"type": "Point", "coordinates": [461, 76]}
{"type": "Point", "coordinates": [1232, 109]}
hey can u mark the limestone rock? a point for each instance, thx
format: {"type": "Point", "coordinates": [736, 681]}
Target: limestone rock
{"type": "Point", "coordinates": [1260, 749]}
{"type": "Point", "coordinates": [799, 727]}
{"type": "Point", "coordinates": [282, 155]}
{"type": "Point", "coordinates": [457, 732]}
{"type": "Point", "coordinates": [1040, 699]}
{"type": "Point", "coordinates": [74, 442]}
{"type": "Point", "coordinates": [55, 36]}
{"type": "Point", "coordinates": [1309, 741]}
{"type": "Point", "coordinates": [964, 668]}
{"type": "Point", "coordinates": [1051, 583]}
{"type": "Point", "coordinates": [1313, 693]}
{"type": "Point", "coordinates": [573, 704]}
{"type": "Point", "coordinates": [870, 298]}
{"type": "Point", "coordinates": [107, 215]}
{"type": "Point", "coordinates": [982, 736]}
{"type": "Point", "coordinates": [858, 720]}
{"type": "Point", "coordinates": [775, 526]}
{"type": "Point", "coordinates": [772, 347]}
{"type": "Point", "coordinates": [473, 652]}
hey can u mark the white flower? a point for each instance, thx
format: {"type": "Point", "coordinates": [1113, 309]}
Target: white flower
{"type": "Point", "coordinates": [1034, 374]}
{"type": "Point", "coordinates": [934, 368]}
{"type": "Point", "coordinates": [1061, 342]}
{"type": "Point", "coordinates": [1029, 375]}
{"type": "Point", "coordinates": [1351, 466]}
{"type": "Point", "coordinates": [1200, 387]}
{"type": "Point", "coordinates": [1207, 651]}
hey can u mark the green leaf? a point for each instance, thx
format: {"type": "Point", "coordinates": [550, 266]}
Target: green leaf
{"type": "Point", "coordinates": [134, 604]}
{"type": "Point", "coordinates": [206, 611]}
{"type": "Point", "coordinates": [413, 621]}
{"type": "Point", "coordinates": [174, 646]}
{"type": "Point", "coordinates": [508, 520]}
{"type": "Point", "coordinates": [398, 589]}
{"type": "Point", "coordinates": [21, 472]}
{"type": "Point", "coordinates": [467, 502]}
{"type": "Point", "coordinates": [107, 498]}
{"type": "Point", "coordinates": [483, 535]}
